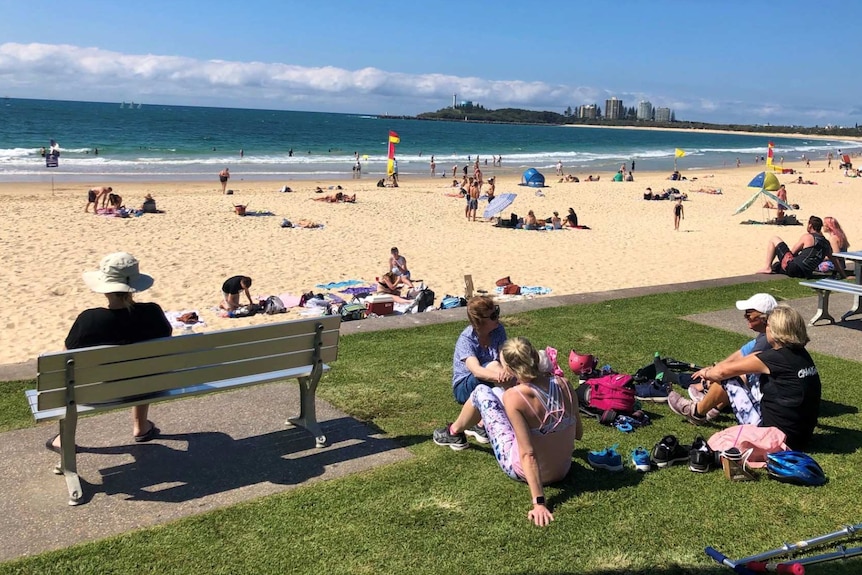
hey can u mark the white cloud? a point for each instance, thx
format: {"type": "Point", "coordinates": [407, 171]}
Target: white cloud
{"type": "Point", "coordinates": [57, 71]}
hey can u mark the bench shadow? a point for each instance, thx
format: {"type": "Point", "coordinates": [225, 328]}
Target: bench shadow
{"type": "Point", "coordinates": [214, 462]}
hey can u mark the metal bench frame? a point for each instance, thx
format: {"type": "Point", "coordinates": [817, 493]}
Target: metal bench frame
{"type": "Point", "coordinates": [824, 288]}
{"type": "Point", "coordinates": [109, 377]}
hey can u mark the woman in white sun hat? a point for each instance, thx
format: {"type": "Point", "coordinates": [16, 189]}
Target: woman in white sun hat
{"type": "Point", "coordinates": [122, 322]}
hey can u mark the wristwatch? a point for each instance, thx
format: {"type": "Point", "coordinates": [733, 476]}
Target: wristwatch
{"type": "Point", "coordinates": [540, 500]}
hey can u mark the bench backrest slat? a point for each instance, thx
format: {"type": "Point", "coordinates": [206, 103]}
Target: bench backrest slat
{"type": "Point", "coordinates": [109, 372]}
{"type": "Point", "coordinates": [168, 345]}
{"type": "Point", "coordinates": [107, 391]}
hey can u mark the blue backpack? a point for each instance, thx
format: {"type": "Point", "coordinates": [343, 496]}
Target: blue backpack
{"type": "Point", "coordinates": [450, 301]}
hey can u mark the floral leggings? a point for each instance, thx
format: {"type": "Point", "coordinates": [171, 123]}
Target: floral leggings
{"type": "Point", "coordinates": [489, 402]}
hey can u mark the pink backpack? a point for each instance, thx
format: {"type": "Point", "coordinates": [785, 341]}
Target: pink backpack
{"type": "Point", "coordinates": [615, 391]}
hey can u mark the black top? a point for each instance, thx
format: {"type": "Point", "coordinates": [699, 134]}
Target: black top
{"type": "Point", "coordinates": [233, 285]}
{"type": "Point", "coordinates": [103, 326]}
{"type": "Point", "coordinates": [791, 394]}
{"type": "Point", "coordinates": [809, 258]}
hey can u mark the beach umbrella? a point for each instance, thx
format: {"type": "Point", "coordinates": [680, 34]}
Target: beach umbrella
{"type": "Point", "coordinates": [499, 204]}
{"type": "Point", "coordinates": [766, 182]}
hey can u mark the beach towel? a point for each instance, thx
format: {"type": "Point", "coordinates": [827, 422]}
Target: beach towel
{"type": "Point", "coordinates": [359, 290]}
{"type": "Point", "coordinates": [528, 290]}
{"type": "Point", "coordinates": [173, 318]}
{"type": "Point", "coordinates": [339, 285]}
{"type": "Point", "coordinates": [289, 300]}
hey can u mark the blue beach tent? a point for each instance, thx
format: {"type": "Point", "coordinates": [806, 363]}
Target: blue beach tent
{"type": "Point", "coordinates": [533, 178]}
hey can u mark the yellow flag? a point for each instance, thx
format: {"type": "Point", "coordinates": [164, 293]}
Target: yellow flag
{"type": "Point", "coordinates": [680, 153]}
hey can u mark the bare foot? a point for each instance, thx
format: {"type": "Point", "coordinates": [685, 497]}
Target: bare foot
{"type": "Point", "coordinates": [765, 271]}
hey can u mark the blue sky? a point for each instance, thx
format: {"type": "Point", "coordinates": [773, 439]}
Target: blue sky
{"type": "Point", "coordinates": [730, 61]}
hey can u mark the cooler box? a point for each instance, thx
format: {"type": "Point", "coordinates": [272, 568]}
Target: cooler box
{"type": "Point", "coordinates": [380, 304]}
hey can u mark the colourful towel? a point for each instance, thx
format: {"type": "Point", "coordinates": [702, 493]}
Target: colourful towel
{"type": "Point", "coordinates": [339, 285]}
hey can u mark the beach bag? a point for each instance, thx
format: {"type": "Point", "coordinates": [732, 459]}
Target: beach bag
{"type": "Point", "coordinates": [512, 289]}
{"type": "Point", "coordinates": [760, 440]}
{"type": "Point", "coordinates": [352, 311]}
{"type": "Point", "coordinates": [426, 300]}
{"type": "Point", "coordinates": [273, 304]}
{"type": "Point", "coordinates": [451, 301]}
{"type": "Point", "coordinates": [613, 391]}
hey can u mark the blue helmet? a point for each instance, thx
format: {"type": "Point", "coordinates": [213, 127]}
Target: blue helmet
{"type": "Point", "coordinates": [794, 467]}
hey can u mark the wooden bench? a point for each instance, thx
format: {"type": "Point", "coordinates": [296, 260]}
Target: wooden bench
{"type": "Point", "coordinates": [108, 377]}
{"type": "Point", "coordinates": [824, 288]}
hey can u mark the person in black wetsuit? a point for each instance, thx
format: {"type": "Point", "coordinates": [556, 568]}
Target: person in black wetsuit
{"type": "Point", "coordinates": [801, 261]}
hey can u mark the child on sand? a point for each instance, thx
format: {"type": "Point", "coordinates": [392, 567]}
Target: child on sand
{"type": "Point", "coordinates": [678, 214]}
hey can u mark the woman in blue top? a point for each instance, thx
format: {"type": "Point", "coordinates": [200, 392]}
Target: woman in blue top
{"type": "Point", "coordinates": [477, 351]}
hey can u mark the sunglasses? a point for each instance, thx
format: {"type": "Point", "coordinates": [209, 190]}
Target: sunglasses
{"type": "Point", "coordinates": [750, 314]}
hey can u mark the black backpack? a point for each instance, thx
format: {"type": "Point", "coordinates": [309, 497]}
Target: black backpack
{"type": "Point", "coordinates": [426, 300]}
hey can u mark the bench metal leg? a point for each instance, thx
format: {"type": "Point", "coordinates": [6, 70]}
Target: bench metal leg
{"type": "Point", "coordinates": [307, 409]}
{"type": "Point", "coordinates": [853, 310]}
{"type": "Point", "coordinates": [68, 465]}
{"type": "Point", "coordinates": [822, 308]}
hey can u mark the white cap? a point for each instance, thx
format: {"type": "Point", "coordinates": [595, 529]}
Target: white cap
{"type": "Point", "coordinates": [762, 302]}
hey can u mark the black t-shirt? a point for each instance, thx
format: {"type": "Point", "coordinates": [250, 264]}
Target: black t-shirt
{"type": "Point", "coordinates": [791, 394]}
{"type": "Point", "coordinates": [233, 285]}
{"type": "Point", "coordinates": [103, 326]}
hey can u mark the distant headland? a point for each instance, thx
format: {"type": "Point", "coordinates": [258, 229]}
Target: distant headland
{"type": "Point", "coordinates": [479, 114]}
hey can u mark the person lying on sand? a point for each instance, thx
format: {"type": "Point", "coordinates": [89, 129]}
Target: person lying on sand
{"type": "Point", "coordinates": [339, 197]}
{"type": "Point", "coordinates": [304, 223]}
{"type": "Point", "coordinates": [707, 191]}
{"type": "Point", "coordinates": [801, 181]}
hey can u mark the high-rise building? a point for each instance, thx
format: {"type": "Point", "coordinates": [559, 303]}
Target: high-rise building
{"type": "Point", "coordinates": [587, 111]}
{"type": "Point", "coordinates": [644, 110]}
{"type": "Point", "coordinates": [614, 109]}
{"type": "Point", "coordinates": [662, 114]}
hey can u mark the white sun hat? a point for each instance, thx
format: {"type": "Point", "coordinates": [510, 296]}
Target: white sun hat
{"type": "Point", "coordinates": [118, 272]}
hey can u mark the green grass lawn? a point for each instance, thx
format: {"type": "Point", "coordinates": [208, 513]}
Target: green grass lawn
{"type": "Point", "coordinates": [443, 511]}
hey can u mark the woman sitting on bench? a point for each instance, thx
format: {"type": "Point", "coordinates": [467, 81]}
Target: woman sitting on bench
{"type": "Point", "coordinates": [122, 322]}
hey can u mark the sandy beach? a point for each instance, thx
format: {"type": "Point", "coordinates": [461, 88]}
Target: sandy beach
{"type": "Point", "coordinates": [47, 240]}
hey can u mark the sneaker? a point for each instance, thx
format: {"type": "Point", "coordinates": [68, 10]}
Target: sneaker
{"type": "Point", "coordinates": [607, 459]}
{"type": "Point", "coordinates": [695, 394]}
{"type": "Point", "coordinates": [456, 441]}
{"type": "Point", "coordinates": [478, 433]}
{"type": "Point", "coordinates": [685, 407]}
{"type": "Point", "coordinates": [668, 451]}
{"type": "Point", "coordinates": [701, 457]}
{"type": "Point", "coordinates": [652, 390]}
{"type": "Point", "coordinates": [733, 462]}
{"type": "Point", "coordinates": [640, 459]}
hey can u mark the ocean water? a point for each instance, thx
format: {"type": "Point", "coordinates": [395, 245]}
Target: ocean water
{"type": "Point", "coordinates": [186, 143]}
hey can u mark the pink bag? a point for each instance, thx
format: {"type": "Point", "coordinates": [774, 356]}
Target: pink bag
{"type": "Point", "coordinates": [615, 391]}
{"type": "Point", "coordinates": [761, 440]}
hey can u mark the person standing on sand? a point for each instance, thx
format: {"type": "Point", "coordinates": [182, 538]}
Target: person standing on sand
{"type": "Point", "coordinates": [96, 194]}
{"type": "Point", "coordinates": [433, 167]}
{"type": "Point", "coordinates": [678, 214]}
{"type": "Point", "coordinates": [473, 202]}
{"type": "Point", "coordinates": [223, 177]}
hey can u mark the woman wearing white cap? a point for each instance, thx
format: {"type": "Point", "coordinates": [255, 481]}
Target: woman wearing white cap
{"type": "Point", "coordinates": [122, 322]}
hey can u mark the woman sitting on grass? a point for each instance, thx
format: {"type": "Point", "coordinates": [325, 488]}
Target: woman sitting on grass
{"type": "Point", "coordinates": [790, 383]}
{"type": "Point", "coordinates": [532, 425]}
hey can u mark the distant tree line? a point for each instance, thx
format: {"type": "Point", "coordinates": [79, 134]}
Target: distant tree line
{"type": "Point", "coordinates": [477, 113]}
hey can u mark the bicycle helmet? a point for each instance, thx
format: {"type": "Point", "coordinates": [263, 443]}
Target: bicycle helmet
{"type": "Point", "coordinates": [794, 467]}
{"type": "Point", "coordinates": [582, 364]}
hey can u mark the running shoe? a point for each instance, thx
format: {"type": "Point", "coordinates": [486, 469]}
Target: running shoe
{"type": "Point", "coordinates": [640, 459]}
{"type": "Point", "coordinates": [457, 441]}
{"type": "Point", "coordinates": [607, 459]}
{"type": "Point", "coordinates": [478, 433]}
{"type": "Point", "coordinates": [668, 451]}
{"type": "Point", "coordinates": [701, 457]}
{"type": "Point", "coordinates": [685, 407]}
{"type": "Point", "coordinates": [652, 390]}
